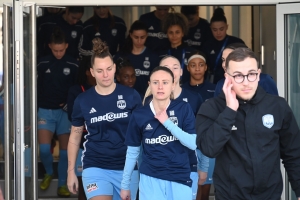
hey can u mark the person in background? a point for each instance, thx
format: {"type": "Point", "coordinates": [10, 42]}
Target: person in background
{"type": "Point", "coordinates": [214, 47]}
{"type": "Point", "coordinates": [165, 128]}
{"type": "Point", "coordinates": [125, 73]}
{"type": "Point", "coordinates": [56, 74]}
{"type": "Point", "coordinates": [105, 111]}
{"type": "Point", "coordinates": [265, 80]}
{"type": "Point", "coordinates": [249, 132]}
{"type": "Point", "coordinates": [106, 26]}
{"type": "Point", "coordinates": [199, 29]}
{"type": "Point", "coordinates": [69, 22]}
{"type": "Point", "coordinates": [175, 25]}
{"type": "Point", "coordinates": [156, 40]}
{"type": "Point", "coordinates": [142, 58]}
{"type": "Point", "coordinates": [85, 81]}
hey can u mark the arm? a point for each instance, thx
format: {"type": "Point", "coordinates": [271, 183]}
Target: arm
{"type": "Point", "coordinates": [85, 45]}
{"type": "Point", "coordinates": [186, 139]}
{"type": "Point", "coordinates": [202, 167]}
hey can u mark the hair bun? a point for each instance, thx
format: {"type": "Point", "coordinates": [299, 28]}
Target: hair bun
{"type": "Point", "coordinates": [99, 46]}
{"type": "Point", "coordinates": [219, 12]}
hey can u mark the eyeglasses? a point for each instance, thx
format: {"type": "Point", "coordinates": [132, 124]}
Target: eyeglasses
{"type": "Point", "coordinates": [239, 78]}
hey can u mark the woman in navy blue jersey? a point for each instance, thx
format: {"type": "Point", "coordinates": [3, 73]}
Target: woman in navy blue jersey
{"type": "Point", "coordinates": [56, 74]}
{"type": "Point", "coordinates": [166, 130]}
{"type": "Point", "coordinates": [142, 58]}
{"type": "Point", "coordinates": [106, 26]}
{"type": "Point", "coordinates": [105, 111]}
{"type": "Point", "coordinates": [214, 47]}
{"type": "Point", "coordinates": [69, 22]}
{"type": "Point", "coordinates": [175, 25]}
{"type": "Point", "coordinates": [85, 81]}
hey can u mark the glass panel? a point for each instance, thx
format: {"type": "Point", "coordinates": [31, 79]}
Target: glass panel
{"type": "Point", "coordinates": [293, 61]}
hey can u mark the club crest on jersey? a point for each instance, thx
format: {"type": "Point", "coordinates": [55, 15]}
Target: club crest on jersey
{"type": "Point", "coordinates": [146, 63]}
{"type": "Point", "coordinates": [197, 35]}
{"type": "Point", "coordinates": [114, 32]}
{"type": "Point", "coordinates": [189, 42]}
{"type": "Point", "coordinates": [174, 120]}
{"type": "Point", "coordinates": [185, 99]}
{"type": "Point", "coordinates": [66, 71]}
{"type": "Point", "coordinates": [121, 103]}
{"type": "Point", "coordinates": [268, 120]}
{"type": "Point", "coordinates": [74, 34]}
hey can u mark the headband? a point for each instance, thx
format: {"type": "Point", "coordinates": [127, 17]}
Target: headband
{"type": "Point", "coordinates": [196, 56]}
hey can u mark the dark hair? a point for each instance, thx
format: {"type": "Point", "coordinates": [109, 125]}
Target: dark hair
{"type": "Point", "coordinates": [218, 16]}
{"type": "Point", "coordinates": [75, 9]}
{"type": "Point", "coordinates": [239, 55]}
{"type": "Point", "coordinates": [100, 50]}
{"type": "Point", "coordinates": [137, 25]}
{"type": "Point", "coordinates": [175, 19]}
{"type": "Point", "coordinates": [189, 10]}
{"type": "Point", "coordinates": [84, 65]}
{"type": "Point", "coordinates": [57, 36]}
{"type": "Point", "coordinates": [234, 46]}
{"type": "Point", "coordinates": [121, 63]}
{"type": "Point", "coordinates": [160, 68]}
{"type": "Point", "coordinates": [95, 20]}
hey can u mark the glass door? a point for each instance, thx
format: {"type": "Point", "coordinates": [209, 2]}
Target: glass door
{"type": "Point", "coordinates": [288, 64]}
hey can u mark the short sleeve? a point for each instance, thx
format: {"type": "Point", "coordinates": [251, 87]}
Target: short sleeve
{"type": "Point", "coordinates": [188, 124]}
{"type": "Point", "coordinates": [77, 115]}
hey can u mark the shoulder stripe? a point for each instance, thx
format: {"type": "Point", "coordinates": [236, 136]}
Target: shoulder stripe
{"type": "Point", "coordinates": [42, 62]}
{"type": "Point", "coordinates": [72, 63]}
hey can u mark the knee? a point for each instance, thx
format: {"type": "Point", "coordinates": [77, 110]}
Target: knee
{"type": "Point", "coordinates": [45, 149]}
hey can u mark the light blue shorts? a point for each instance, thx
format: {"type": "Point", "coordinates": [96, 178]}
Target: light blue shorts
{"type": "Point", "coordinates": [98, 182]}
{"type": "Point", "coordinates": [210, 172]}
{"type": "Point", "coordinates": [54, 120]}
{"type": "Point", "coordinates": [153, 188]}
{"type": "Point", "coordinates": [194, 176]}
{"type": "Point", "coordinates": [78, 164]}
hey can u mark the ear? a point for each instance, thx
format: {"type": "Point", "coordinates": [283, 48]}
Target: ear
{"type": "Point", "coordinates": [227, 27]}
{"type": "Point", "coordinates": [67, 45]}
{"type": "Point", "coordinates": [50, 45]}
{"type": "Point", "coordinates": [181, 71]}
{"type": "Point", "coordinates": [258, 75]}
{"type": "Point", "coordinates": [92, 72]}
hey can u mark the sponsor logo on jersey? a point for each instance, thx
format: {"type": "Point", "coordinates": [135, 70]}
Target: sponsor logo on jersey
{"type": "Point", "coordinates": [197, 35]}
{"type": "Point", "coordinates": [185, 99]}
{"type": "Point", "coordinates": [91, 187]}
{"type": "Point", "coordinates": [162, 139]}
{"type": "Point", "coordinates": [93, 110]}
{"type": "Point", "coordinates": [97, 34]}
{"type": "Point", "coordinates": [212, 52]}
{"type": "Point", "coordinates": [121, 103]}
{"type": "Point", "coordinates": [159, 35]}
{"type": "Point", "coordinates": [110, 117]}
{"type": "Point", "coordinates": [139, 72]}
{"type": "Point", "coordinates": [151, 28]}
{"type": "Point", "coordinates": [74, 34]}
{"type": "Point", "coordinates": [185, 61]}
{"type": "Point", "coordinates": [234, 128]}
{"type": "Point", "coordinates": [146, 63]}
{"type": "Point", "coordinates": [193, 43]}
{"type": "Point", "coordinates": [268, 120]}
{"type": "Point", "coordinates": [48, 71]}
{"type": "Point", "coordinates": [148, 127]}
{"type": "Point", "coordinates": [114, 32]}
{"type": "Point", "coordinates": [66, 71]}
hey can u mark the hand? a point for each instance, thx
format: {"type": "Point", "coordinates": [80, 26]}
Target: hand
{"type": "Point", "coordinates": [202, 177]}
{"type": "Point", "coordinates": [125, 195]}
{"type": "Point", "coordinates": [72, 182]}
{"type": "Point", "coordinates": [230, 94]}
{"type": "Point", "coordinates": [162, 116]}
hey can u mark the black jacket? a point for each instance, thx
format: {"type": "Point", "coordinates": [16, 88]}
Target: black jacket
{"type": "Point", "coordinates": [248, 145]}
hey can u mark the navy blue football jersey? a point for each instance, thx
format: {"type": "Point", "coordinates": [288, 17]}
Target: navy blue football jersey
{"type": "Point", "coordinates": [106, 118]}
{"type": "Point", "coordinates": [112, 33]}
{"type": "Point", "coordinates": [143, 64]}
{"type": "Point", "coordinates": [164, 157]}
{"type": "Point", "coordinates": [156, 40]}
{"type": "Point", "coordinates": [205, 89]}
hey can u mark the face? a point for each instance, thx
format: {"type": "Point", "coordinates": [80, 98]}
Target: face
{"type": "Point", "coordinates": [101, 11]}
{"type": "Point", "coordinates": [193, 20]}
{"type": "Point", "coordinates": [174, 65]}
{"type": "Point", "coordinates": [246, 89]}
{"type": "Point", "coordinates": [73, 18]}
{"type": "Point", "coordinates": [161, 11]}
{"type": "Point", "coordinates": [138, 38]}
{"type": "Point", "coordinates": [104, 71]}
{"type": "Point", "coordinates": [225, 54]}
{"type": "Point", "coordinates": [58, 50]}
{"type": "Point", "coordinates": [175, 35]}
{"type": "Point", "coordinates": [161, 85]}
{"type": "Point", "coordinates": [126, 76]}
{"type": "Point", "coordinates": [219, 30]}
{"type": "Point", "coordinates": [197, 68]}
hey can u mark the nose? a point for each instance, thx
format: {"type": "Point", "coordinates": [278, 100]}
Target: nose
{"type": "Point", "coordinates": [105, 74]}
{"type": "Point", "coordinates": [160, 85]}
{"type": "Point", "coordinates": [245, 82]}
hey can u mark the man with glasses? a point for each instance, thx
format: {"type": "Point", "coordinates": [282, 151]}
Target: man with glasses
{"type": "Point", "coordinates": [248, 131]}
